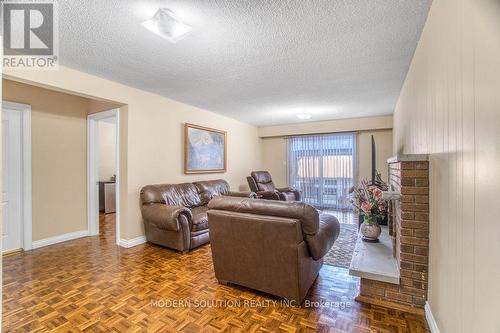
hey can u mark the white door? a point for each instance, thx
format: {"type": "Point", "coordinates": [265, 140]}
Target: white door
{"type": "Point", "coordinates": [11, 179]}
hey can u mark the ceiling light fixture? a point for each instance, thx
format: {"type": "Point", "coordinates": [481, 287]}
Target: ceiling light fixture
{"type": "Point", "coordinates": [166, 25]}
{"type": "Point", "coordinates": [304, 116]}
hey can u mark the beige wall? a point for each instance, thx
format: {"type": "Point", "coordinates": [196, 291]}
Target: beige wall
{"type": "Point", "coordinates": [107, 150]}
{"type": "Point", "coordinates": [151, 137]}
{"type": "Point", "coordinates": [274, 159]}
{"type": "Point", "coordinates": [330, 126]}
{"type": "Point", "coordinates": [59, 158]}
{"type": "Point", "coordinates": [383, 145]}
{"type": "Point", "coordinates": [274, 155]}
{"type": "Point", "coordinates": [95, 105]}
{"type": "Point", "coordinates": [450, 108]}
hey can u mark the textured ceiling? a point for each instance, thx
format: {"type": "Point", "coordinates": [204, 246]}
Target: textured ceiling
{"type": "Point", "coordinates": [259, 61]}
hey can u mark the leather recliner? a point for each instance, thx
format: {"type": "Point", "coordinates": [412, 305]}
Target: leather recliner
{"type": "Point", "coordinates": [271, 246]}
{"type": "Point", "coordinates": [261, 183]}
{"type": "Point", "coordinates": [175, 215]}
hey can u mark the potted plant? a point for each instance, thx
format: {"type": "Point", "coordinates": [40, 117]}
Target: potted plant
{"type": "Point", "coordinates": [370, 205]}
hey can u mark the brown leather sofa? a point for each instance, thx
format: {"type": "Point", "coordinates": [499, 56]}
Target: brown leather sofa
{"type": "Point", "coordinates": [271, 246]}
{"type": "Point", "coordinates": [175, 215]}
{"type": "Point", "coordinates": [261, 183]}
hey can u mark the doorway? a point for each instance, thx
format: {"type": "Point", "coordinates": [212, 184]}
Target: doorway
{"type": "Point", "coordinates": [16, 177]}
{"type": "Point", "coordinates": [323, 168]}
{"type": "Point", "coordinates": [103, 170]}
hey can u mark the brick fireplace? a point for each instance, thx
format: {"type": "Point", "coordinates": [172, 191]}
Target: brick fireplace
{"type": "Point", "coordinates": [409, 229]}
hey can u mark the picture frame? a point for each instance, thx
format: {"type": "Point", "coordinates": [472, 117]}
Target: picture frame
{"type": "Point", "coordinates": [205, 150]}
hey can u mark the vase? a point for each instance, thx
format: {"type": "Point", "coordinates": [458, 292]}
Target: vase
{"type": "Point", "coordinates": [371, 231]}
{"type": "Point", "coordinates": [381, 221]}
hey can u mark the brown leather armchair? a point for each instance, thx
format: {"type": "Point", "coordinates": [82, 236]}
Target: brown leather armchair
{"type": "Point", "coordinates": [175, 215]}
{"type": "Point", "coordinates": [271, 246]}
{"type": "Point", "coordinates": [261, 183]}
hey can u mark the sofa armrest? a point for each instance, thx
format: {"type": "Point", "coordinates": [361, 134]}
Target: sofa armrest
{"type": "Point", "coordinates": [165, 216]}
{"type": "Point", "coordinates": [320, 243]}
{"type": "Point", "coordinates": [285, 189]}
{"type": "Point", "coordinates": [292, 190]}
{"type": "Point", "coordinates": [241, 194]}
{"type": "Point", "coordinates": [269, 195]}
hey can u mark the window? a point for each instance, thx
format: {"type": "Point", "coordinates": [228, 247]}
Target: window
{"type": "Point", "coordinates": [323, 168]}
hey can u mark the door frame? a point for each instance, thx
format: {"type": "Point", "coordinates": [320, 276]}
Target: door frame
{"type": "Point", "coordinates": [93, 171]}
{"type": "Point", "coordinates": [26, 172]}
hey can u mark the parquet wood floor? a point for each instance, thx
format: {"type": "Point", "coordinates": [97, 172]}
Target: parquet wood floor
{"type": "Point", "coordinates": [92, 285]}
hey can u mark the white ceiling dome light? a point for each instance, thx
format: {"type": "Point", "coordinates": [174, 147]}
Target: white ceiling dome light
{"type": "Point", "coordinates": [166, 25]}
{"type": "Point", "coordinates": [304, 116]}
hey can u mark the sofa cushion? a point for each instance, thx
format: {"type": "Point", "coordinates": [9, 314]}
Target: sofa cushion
{"type": "Point", "coordinates": [261, 176]}
{"type": "Point", "coordinates": [266, 187]}
{"type": "Point", "coordinates": [263, 180]}
{"type": "Point", "coordinates": [181, 195]}
{"type": "Point", "coordinates": [152, 194]}
{"type": "Point", "coordinates": [200, 218]}
{"type": "Point", "coordinates": [211, 188]}
{"type": "Point", "coordinates": [287, 196]}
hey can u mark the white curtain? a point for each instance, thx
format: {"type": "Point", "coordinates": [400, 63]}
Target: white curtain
{"type": "Point", "coordinates": [323, 168]}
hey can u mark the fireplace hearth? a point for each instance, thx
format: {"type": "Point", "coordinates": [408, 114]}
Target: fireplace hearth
{"type": "Point", "coordinates": [395, 274]}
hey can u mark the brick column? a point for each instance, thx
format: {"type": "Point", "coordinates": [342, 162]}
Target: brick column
{"type": "Point", "coordinates": [410, 229]}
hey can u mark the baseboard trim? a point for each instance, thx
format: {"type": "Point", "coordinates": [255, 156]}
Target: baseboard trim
{"type": "Point", "coordinates": [389, 305]}
{"type": "Point", "coordinates": [11, 252]}
{"type": "Point", "coordinates": [59, 239]}
{"type": "Point", "coordinates": [430, 319]}
{"type": "Point", "coordinates": [128, 243]}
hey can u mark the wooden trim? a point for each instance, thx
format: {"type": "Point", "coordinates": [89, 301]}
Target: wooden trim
{"type": "Point", "coordinates": [431, 321]}
{"type": "Point", "coordinates": [26, 173]}
{"type": "Point", "coordinates": [11, 252]}
{"type": "Point", "coordinates": [92, 172]}
{"type": "Point", "coordinates": [390, 305]}
{"type": "Point", "coordinates": [186, 129]}
{"type": "Point", "coordinates": [118, 179]}
{"type": "Point", "coordinates": [60, 238]}
{"type": "Point", "coordinates": [27, 181]}
{"type": "Point", "coordinates": [128, 243]}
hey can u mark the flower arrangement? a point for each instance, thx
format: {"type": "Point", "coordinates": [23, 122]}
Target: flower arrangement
{"type": "Point", "coordinates": [368, 202]}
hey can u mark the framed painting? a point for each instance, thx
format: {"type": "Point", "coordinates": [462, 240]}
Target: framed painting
{"type": "Point", "coordinates": [205, 150]}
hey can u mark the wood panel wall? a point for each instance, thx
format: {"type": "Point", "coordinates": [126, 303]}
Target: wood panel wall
{"type": "Point", "coordinates": [450, 108]}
